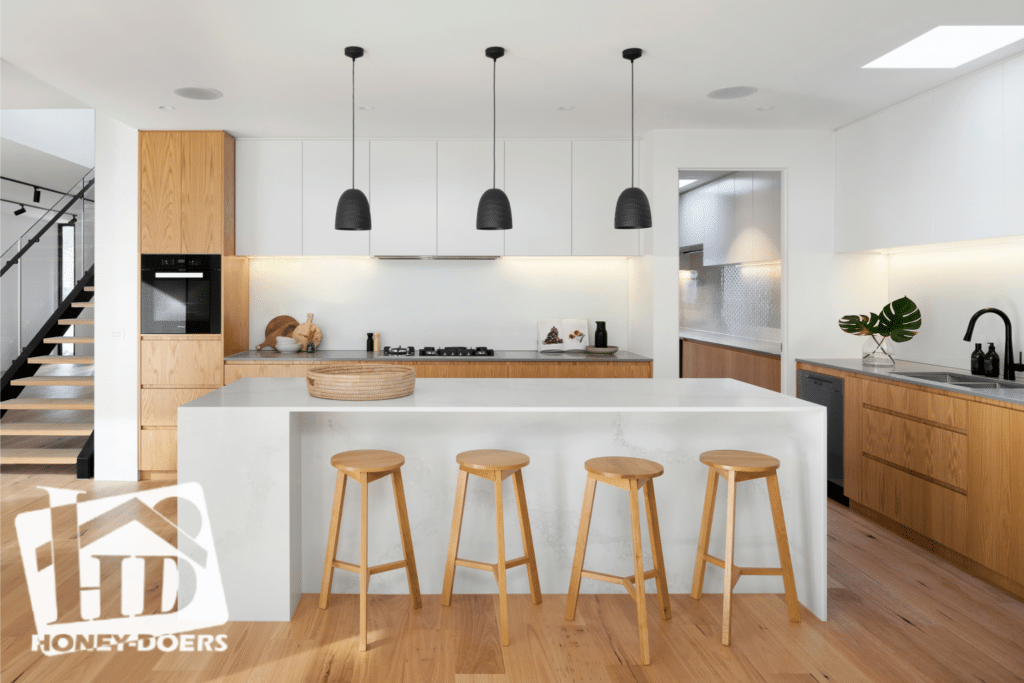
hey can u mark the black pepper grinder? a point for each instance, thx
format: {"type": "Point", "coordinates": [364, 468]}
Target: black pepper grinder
{"type": "Point", "coordinates": [978, 360]}
{"type": "Point", "coordinates": [992, 361]}
{"type": "Point", "coordinates": [369, 342]}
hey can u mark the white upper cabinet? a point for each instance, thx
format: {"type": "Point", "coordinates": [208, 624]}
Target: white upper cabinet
{"type": "Point", "coordinates": [464, 173]}
{"type": "Point", "coordinates": [1013, 131]}
{"type": "Point", "coordinates": [403, 176]}
{"type": "Point", "coordinates": [600, 172]}
{"type": "Point", "coordinates": [737, 218]}
{"type": "Point", "coordinates": [326, 173]}
{"type": "Point", "coordinates": [268, 197]}
{"type": "Point", "coordinates": [538, 181]}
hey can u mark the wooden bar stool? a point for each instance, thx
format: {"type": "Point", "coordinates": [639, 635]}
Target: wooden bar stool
{"type": "Point", "coordinates": [736, 466]}
{"type": "Point", "coordinates": [365, 467]}
{"type": "Point", "coordinates": [495, 466]}
{"type": "Point", "coordinates": [630, 474]}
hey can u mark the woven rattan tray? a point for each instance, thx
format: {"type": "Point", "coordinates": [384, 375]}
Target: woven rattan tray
{"type": "Point", "coordinates": [361, 381]}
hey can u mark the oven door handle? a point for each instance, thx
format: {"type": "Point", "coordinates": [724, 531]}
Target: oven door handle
{"type": "Point", "coordinates": [167, 276]}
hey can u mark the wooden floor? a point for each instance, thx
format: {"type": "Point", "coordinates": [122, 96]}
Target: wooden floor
{"type": "Point", "coordinates": [896, 614]}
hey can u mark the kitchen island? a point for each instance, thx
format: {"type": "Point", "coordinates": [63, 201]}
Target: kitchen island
{"type": "Point", "coordinates": [260, 448]}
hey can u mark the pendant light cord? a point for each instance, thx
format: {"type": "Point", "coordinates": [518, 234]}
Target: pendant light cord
{"type": "Point", "coordinates": [353, 123]}
{"type": "Point", "coordinates": [494, 132]}
{"type": "Point", "coordinates": [632, 125]}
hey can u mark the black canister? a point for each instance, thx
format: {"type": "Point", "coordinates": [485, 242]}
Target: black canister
{"type": "Point", "coordinates": [601, 336]}
{"type": "Point", "coordinates": [369, 342]}
{"type": "Point", "coordinates": [991, 361]}
{"type": "Point", "coordinates": [978, 360]}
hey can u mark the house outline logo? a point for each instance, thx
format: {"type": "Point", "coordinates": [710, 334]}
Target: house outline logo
{"type": "Point", "coordinates": [124, 570]}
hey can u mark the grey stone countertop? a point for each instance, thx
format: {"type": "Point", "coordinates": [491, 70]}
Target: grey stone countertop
{"type": "Point", "coordinates": [498, 357]}
{"type": "Point", "coordinates": [1011, 395]}
{"type": "Point", "coordinates": [745, 343]}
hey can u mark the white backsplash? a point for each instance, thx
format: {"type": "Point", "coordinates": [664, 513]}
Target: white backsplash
{"type": "Point", "coordinates": [439, 303]}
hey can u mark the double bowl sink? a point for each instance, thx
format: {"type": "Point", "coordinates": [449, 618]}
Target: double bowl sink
{"type": "Point", "coordinates": [972, 382]}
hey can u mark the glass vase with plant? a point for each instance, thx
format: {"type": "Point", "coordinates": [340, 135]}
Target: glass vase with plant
{"type": "Point", "coordinates": [899, 321]}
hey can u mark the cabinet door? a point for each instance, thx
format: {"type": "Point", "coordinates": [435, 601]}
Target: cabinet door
{"type": "Point", "coordinates": [326, 174]}
{"type": "Point", "coordinates": [1013, 130]}
{"type": "Point", "coordinates": [721, 225]}
{"type": "Point", "coordinates": [538, 180]}
{"type": "Point", "coordinates": [756, 230]}
{"type": "Point", "coordinates": [166, 363]}
{"type": "Point", "coordinates": [403, 175]}
{"type": "Point", "coordinates": [160, 192]}
{"type": "Point", "coordinates": [600, 172]}
{"type": "Point", "coordinates": [202, 192]}
{"type": "Point", "coordinates": [268, 182]}
{"type": "Point", "coordinates": [464, 173]}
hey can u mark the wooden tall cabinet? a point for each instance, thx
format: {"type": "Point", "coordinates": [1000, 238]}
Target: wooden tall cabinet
{"type": "Point", "coordinates": [186, 206]}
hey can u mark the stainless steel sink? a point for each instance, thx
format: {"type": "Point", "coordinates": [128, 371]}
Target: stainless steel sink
{"type": "Point", "coordinates": [965, 381]}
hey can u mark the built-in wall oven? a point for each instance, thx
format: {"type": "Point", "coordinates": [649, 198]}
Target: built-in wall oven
{"type": "Point", "coordinates": [180, 294]}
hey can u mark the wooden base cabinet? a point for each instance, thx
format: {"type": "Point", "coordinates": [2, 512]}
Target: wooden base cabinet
{"type": "Point", "coordinates": [708, 361]}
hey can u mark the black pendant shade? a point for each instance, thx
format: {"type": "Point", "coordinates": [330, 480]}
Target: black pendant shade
{"type": "Point", "coordinates": [632, 211]}
{"type": "Point", "coordinates": [353, 211]}
{"type": "Point", "coordinates": [494, 212]}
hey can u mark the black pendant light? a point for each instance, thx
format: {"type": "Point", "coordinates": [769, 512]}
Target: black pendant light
{"type": "Point", "coordinates": [353, 208]}
{"type": "Point", "coordinates": [632, 211]}
{"type": "Point", "coordinates": [494, 211]}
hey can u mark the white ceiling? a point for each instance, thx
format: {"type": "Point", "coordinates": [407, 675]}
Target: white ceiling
{"type": "Point", "coordinates": [33, 166]}
{"type": "Point", "coordinates": [281, 68]}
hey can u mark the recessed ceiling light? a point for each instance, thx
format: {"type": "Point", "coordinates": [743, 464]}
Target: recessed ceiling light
{"type": "Point", "coordinates": [166, 107]}
{"type": "Point", "coordinates": [686, 182]}
{"type": "Point", "coordinates": [947, 47]}
{"type": "Point", "coordinates": [732, 93]}
{"type": "Point", "coordinates": [192, 93]}
{"type": "Point", "coordinates": [766, 108]}
{"type": "Point", "coordinates": [566, 108]}
{"type": "Point", "coordinates": [366, 108]}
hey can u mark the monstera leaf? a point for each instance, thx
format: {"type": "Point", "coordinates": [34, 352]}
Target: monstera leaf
{"type": "Point", "coordinates": [899, 320]}
{"type": "Point", "coordinates": [859, 325]}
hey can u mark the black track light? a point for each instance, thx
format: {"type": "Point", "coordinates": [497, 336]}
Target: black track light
{"type": "Point", "coordinates": [19, 211]}
{"type": "Point", "coordinates": [494, 211]}
{"type": "Point", "coordinates": [353, 207]}
{"type": "Point", "coordinates": [74, 220]}
{"type": "Point", "coordinates": [35, 195]}
{"type": "Point", "coordinates": [632, 210]}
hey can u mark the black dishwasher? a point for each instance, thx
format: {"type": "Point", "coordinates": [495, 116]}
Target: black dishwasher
{"type": "Point", "coordinates": [827, 391]}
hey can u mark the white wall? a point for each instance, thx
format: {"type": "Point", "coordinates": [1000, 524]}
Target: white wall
{"type": "Point", "coordinates": [117, 293]}
{"type": "Point", "coordinates": [949, 284]}
{"type": "Point", "coordinates": [439, 303]}
{"type": "Point", "coordinates": [64, 133]}
{"type": "Point", "coordinates": [818, 286]}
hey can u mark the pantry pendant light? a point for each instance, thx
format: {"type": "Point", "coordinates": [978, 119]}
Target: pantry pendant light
{"type": "Point", "coordinates": [632, 211]}
{"type": "Point", "coordinates": [494, 211]}
{"type": "Point", "coordinates": [353, 208]}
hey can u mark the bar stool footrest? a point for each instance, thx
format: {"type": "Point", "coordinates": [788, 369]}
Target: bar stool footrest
{"type": "Point", "coordinates": [627, 582]}
{"type": "Point", "coordinates": [491, 566]}
{"type": "Point", "coordinates": [376, 569]}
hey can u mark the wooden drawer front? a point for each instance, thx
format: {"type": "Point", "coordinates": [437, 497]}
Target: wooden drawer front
{"type": "Point", "coordinates": [929, 509]}
{"type": "Point", "coordinates": [160, 406]}
{"type": "Point", "coordinates": [713, 361]}
{"type": "Point", "coordinates": [460, 369]}
{"type": "Point", "coordinates": [233, 372]}
{"type": "Point", "coordinates": [612, 369]}
{"type": "Point", "coordinates": [940, 454]}
{"type": "Point", "coordinates": [936, 408]}
{"type": "Point", "coordinates": [540, 369]}
{"type": "Point", "coordinates": [158, 449]}
{"type": "Point", "coordinates": [191, 363]}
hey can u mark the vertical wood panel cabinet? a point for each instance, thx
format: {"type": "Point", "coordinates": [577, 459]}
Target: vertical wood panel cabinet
{"type": "Point", "coordinates": [699, 360]}
{"type": "Point", "coordinates": [403, 203]}
{"type": "Point", "coordinates": [538, 181]}
{"type": "Point", "coordinates": [326, 174]}
{"type": "Point", "coordinates": [160, 192]}
{"type": "Point", "coordinates": [943, 469]}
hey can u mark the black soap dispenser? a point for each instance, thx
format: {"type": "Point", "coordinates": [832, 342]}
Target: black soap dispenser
{"type": "Point", "coordinates": [991, 361]}
{"type": "Point", "coordinates": [978, 360]}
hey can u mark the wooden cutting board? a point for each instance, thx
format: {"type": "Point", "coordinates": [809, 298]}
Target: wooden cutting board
{"type": "Point", "coordinates": [281, 326]}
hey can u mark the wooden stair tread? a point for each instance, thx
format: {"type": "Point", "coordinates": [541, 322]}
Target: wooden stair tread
{"type": "Point", "coordinates": [47, 404]}
{"type": "Point", "coordinates": [39, 456]}
{"type": "Point", "coordinates": [55, 381]}
{"type": "Point", "coordinates": [69, 340]}
{"type": "Point", "coordinates": [46, 429]}
{"type": "Point", "coordinates": [62, 360]}
{"type": "Point", "coordinates": [90, 288]}
{"type": "Point", "coordinates": [76, 321]}
{"type": "Point", "coordinates": [83, 304]}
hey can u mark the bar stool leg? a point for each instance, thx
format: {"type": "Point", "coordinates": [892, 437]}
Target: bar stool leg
{"type": "Point", "coordinates": [783, 542]}
{"type": "Point", "coordinates": [524, 527]}
{"type": "Point", "coordinates": [500, 569]}
{"type": "Point", "coordinates": [332, 539]}
{"type": "Point", "coordinates": [705, 534]}
{"type": "Point", "coordinates": [581, 549]}
{"type": "Point", "coordinates": [406, 533]}
{"type": "Point", "coordinates": [453, 542]}
{"type": "Point", "coordinates": [638, 563]}
{"type": "Point", "coordinates": [656, 555]}
{"type": "Point", "coordinates": [364, 564]}
{"type": "Point", "coordinates": [730, 537]}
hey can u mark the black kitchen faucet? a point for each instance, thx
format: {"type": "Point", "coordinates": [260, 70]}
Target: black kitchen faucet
{"type": "Point", "coordinates": [1008, 365]}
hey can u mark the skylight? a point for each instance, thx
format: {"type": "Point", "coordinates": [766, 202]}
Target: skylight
{"type": "Point", "coordinates": [947, 47]}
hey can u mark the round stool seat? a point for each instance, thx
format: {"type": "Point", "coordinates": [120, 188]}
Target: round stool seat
{"type": "Point", "coordinates": [368, 461]}
{"type": "Point", "coordinates": [492, 460]}
{"type": "Point", "coordinates": [740, 461]}
{"type": "Point", "coordinates": [624, 468]}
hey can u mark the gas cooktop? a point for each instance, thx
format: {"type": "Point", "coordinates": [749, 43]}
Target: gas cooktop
{"type": "Point", "coordinates": [438, 351]}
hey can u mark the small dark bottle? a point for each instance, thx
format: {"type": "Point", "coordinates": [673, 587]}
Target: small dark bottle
{"type": "Point", "coordinates": [601, 336]}
{"type": "Point", "coordinates": [369, 342]}
{"type": "Point", "coordinates": [991, 361]}
{"type": "Point", "coordinates": [978, 360]}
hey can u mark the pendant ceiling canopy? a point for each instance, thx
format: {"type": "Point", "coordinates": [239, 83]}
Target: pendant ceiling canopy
{"type": "Point", "coordinates": [353, 207]}
{"type": "Point", "coordinates": [632, 210]}
{"type": "Point", "coordinates": [494, 211]}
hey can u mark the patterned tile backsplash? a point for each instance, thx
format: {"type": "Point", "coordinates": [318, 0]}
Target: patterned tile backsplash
{"type": "Point", "coordinates": [740, 300]}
